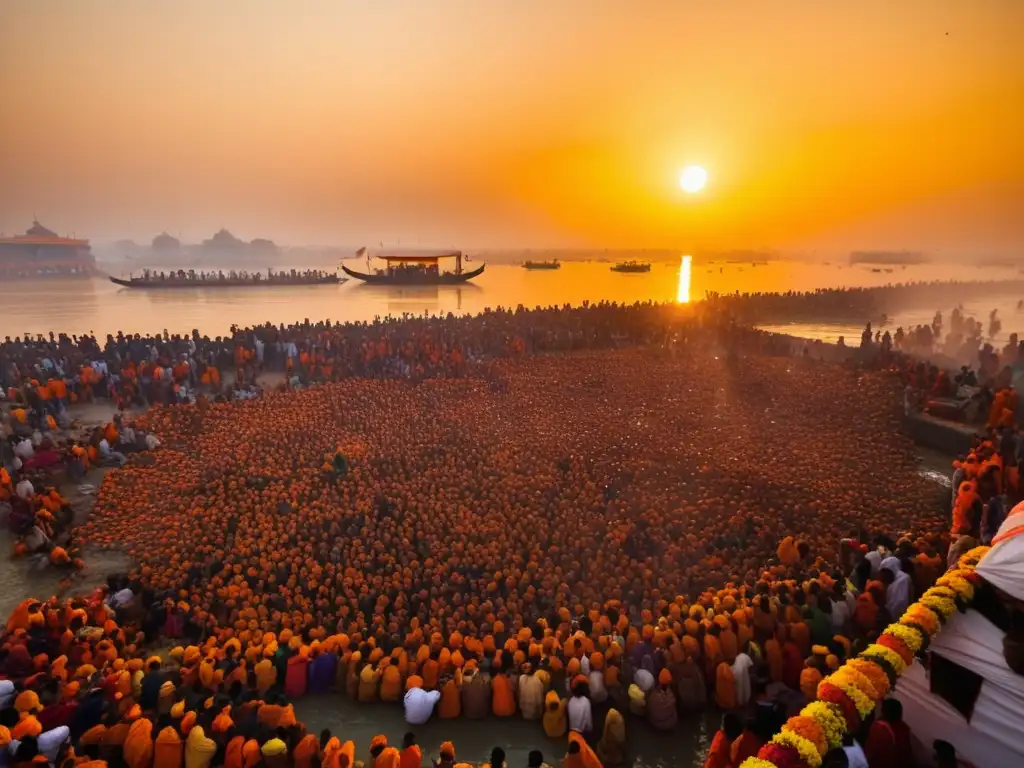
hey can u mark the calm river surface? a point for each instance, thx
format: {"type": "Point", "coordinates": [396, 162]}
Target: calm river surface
{"type": "Point", "coordinates": [97, 305]}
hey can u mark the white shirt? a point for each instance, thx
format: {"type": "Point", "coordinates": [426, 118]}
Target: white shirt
{"type": "Point", "coordinates": [840, 614]}
{"type": "Point", "coordinates": [104, 447]}
{"type": "Point", "coordinates": [123, 597]}
{"type": "Point", "coordinates": [855, 756]}
{"type": "Point", "coordinates": [598, 693]}
{"type": "Point", "coordinates": [49, 743]}
{"type": "Point", "coordinates": [741, 678]}
{"type": "Point", "coordinates": [419, 705]}
{"type": "Point", "coordinates": [25, 490]}
{"type": "Point", "coordinates": [579, 714]}
{"type": "Point", "coordinates": [644, 680]}
{"type": "Point", "coordinates": [6, 693]}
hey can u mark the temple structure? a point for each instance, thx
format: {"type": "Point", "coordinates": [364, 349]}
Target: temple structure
{"type": "Point", "coordinates": [41, 252]}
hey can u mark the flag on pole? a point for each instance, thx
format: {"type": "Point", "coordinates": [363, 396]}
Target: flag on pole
{"type": "Point", "coordinates": [361, 251]}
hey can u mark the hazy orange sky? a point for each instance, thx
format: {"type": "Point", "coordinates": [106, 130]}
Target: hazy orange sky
{"type": "Point", "coordinates": [823, 125]}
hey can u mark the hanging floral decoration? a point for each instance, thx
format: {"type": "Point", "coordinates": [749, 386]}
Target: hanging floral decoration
{"type": "Point", "coordinates": [852, 692]}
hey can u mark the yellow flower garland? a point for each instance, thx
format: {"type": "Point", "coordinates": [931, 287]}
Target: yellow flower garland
{"type": "Point", "coordinates": [943, 605]}
{"type": "Point", "coordinates": [832, 723]}
{"type": "Point", "coordinates": [937, 601]}
{"type": "Point", "coordinates": [848, 674]}
{"type": "Point", "coordinates": [910, 637]}
{"type": "Point", "coordinates": [956, 581]}
{"type": "Point", "coordinates": [970, 559]}
{"type": "Point", "coordinates": [894, 659]}
{"type": "Point", "coordinates": [808, 752]}
{"type": "Point", "coordinates": [865, 706]}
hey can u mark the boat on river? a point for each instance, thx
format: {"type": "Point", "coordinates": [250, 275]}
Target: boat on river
{"type": "Point", "coordinates": [416, 269]}
{"type": "Point", "coordinates": [632, 266]}
{"type": "Point", "coordinates": [181, 279]}
{"type": "Point", "coordinates": [542, 265]}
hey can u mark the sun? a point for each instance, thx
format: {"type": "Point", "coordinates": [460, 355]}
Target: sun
{"type": "Point", "coordinates": [693, 178]}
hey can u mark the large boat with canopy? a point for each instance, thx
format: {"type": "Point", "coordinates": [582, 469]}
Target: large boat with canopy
{"type": "Point", "coordinates": [415, 268]}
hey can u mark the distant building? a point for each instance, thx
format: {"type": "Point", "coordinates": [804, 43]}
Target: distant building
{"type": "Point", "coordinates": [43, 253]}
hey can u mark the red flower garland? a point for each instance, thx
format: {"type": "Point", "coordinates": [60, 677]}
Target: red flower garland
{"type": "Point", "coordinates": [893, 643]}
{"type": "Point", "coordinates": [782, 756]}
{"type": "Point", "coordinates": [834, 695]}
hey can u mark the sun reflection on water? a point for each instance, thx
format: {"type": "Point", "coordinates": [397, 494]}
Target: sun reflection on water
{"type": "Point", "coordinates": [683, 292]}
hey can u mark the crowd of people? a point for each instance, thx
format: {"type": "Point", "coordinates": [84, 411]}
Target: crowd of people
{"type": "Point", "coordinates": [232, 276]}
{"type": "Point", "coordinates": [584, 540]}
{"type": "Point", "coordinates": [853, 304]}
{"type": "Point", "coordinates": [45, 374]}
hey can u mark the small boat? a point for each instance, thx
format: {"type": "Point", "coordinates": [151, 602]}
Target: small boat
{"type": "Point", "coordinates": [632, 266]}
{"type": "Point", "coordinates": [183, 280]}
{"type": "Point", "coordinates": [535, 265]}
{"type": "Point", "coordinates": [416, 269]}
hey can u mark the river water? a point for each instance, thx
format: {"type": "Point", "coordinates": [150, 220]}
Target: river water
{"type": "Point", "coordinates": [98, 306]}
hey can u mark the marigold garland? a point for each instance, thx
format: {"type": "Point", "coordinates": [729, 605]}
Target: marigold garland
{"type": "Point", "coordinates": [943, 606]}
{"type": "Point", "coordinates": [808, 752]}
{"type": "Point", "coordinates": [894, 659]}
{"type": "Point", "coordinates": [910, 637]}
{"type": "Point", "coordinates": [893, 643]}
{"type": "Point", "coordinates": [808, 728]}
{"type": "Point", "coordinates": [829, 718]}
{"type": "Point", "coordinates": [874, 673]}
{"type": "Point", "coordinates": [851, 692]}
{"type": "Point", "coordinates": [848, 674]}
{"type": "Point", "coordinates": [922, 615]}
{"type": "Point", "coordinates": [925, 639]}
{"type": "Point", "coordinates": [959, 584]}
{"type": "Point", "coordinates": [831, 694]}
{"type": "Point", "coordinates": [941, 590]}
{"type": "Point", "coordinates": [865, 706]}
{"type": "Point", "coordinates": [971, 558]}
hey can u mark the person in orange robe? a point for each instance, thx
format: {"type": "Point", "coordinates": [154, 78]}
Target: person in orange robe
{"type": "Point", "coordinates": [168, 750]}
{"type": "Point", "coordinates": [773, 655]}
{"type": "Point", "coordinates": [729, 643]}
{"type": "Point", "coordinates": [306, 752]}
{"type": "Point", "coordinates": [725, 687]}
{"type": "Point", "coordinates": [431, 673]}
{"type": "Point", "coordinates": [503, 703]}
{"type": "Point", "coordinates": [450, 706]}
{"type": "Point", "coordinates": [580, 755]}
{"type": "Point", "coordinates": [138, 746]}
{"type": "Point", "coordinates": [391, 682]}
{"type": "Point", "coordinates": [720, 754]}
{"type": "Point", "coordinates": [233, 753]}
{"type": "Point", "coordinates": [251, 754]}
{"type": "Point", "coordinates": [746, 746]}
{"type": "Point", "coordinates": [412, 755]}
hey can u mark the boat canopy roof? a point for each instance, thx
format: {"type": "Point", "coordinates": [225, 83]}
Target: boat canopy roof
{"type": "Point", "coordinates": [418, 256]}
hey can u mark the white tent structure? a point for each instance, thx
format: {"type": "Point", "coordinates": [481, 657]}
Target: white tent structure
{"type": "Point", "coordinates": [993, 736]}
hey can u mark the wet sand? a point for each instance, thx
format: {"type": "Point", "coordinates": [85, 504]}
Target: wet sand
{"type": "Point", "coordinates": [682, 748]}
{"type": "Point", "coordinates": [33, 576]}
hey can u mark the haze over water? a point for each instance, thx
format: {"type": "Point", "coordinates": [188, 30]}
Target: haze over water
{"type": "Point", "coordinates": [98, 306]}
